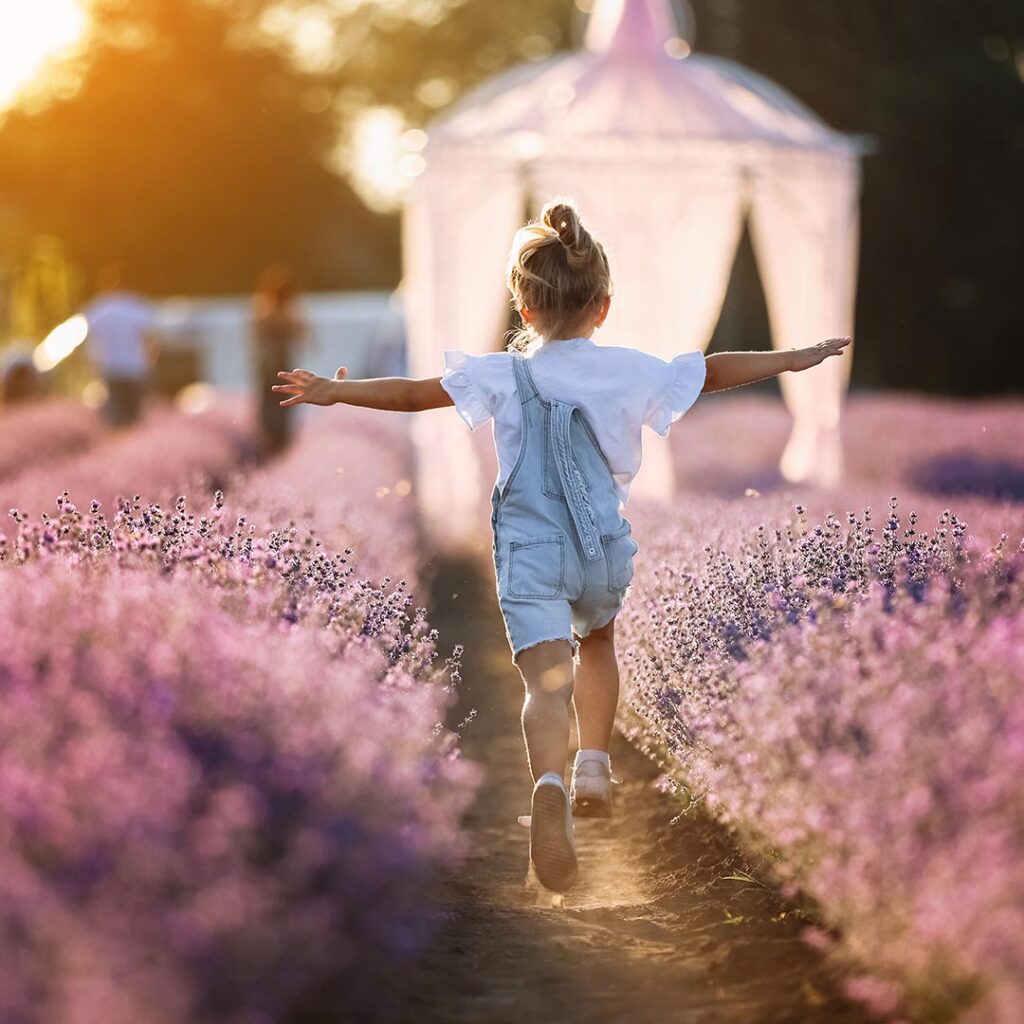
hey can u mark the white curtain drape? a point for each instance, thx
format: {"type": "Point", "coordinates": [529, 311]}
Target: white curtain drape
{"type": "Point", "coordinates": [805, 232]}
{"type": "Point", "coordinates": [458, 223]}
{"type": "Point", "coordinates": [671, 232]}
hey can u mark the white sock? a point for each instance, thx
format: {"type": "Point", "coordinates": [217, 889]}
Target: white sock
{"type": "Point", "coordinates": [548, 777]}
{"type": "Point", "coordinates": [593, 755]}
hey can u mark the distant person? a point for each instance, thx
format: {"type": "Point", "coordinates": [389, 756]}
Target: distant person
{"type": "Point", "coordinates": [120, 344]}
{"type": "Point", "coordinates": [567, 415]}
{"type": "Point", "coordinates": [277, 330]}
{"type": "Point", "coordinates": [19, 381]}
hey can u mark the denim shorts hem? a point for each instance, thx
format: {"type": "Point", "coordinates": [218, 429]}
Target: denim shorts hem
{"type": "Point", "coordinates": [516, 651]}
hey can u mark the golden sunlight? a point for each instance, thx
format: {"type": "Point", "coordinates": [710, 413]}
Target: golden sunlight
{"type": "Point", "coordinates": [382, 157]}
{"type": "Point", "coordinates": [60, 343]}
{"type": "Point", "coordinates": [30, 34]}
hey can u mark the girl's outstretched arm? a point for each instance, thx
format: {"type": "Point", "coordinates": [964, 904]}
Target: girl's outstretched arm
{"type": "Point", "coordinates": [733, 369]}
{"type": "Point", "coordinates": [395, 394]}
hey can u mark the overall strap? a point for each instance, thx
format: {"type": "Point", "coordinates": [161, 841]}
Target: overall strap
{"type": "Point", "coordinates": [574, 484]}
{"type": "Point", "coordinates": [524, 380]}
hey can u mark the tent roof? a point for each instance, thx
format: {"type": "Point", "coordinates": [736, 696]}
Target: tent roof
{"type": "Point", "coordinates": [626, 89]}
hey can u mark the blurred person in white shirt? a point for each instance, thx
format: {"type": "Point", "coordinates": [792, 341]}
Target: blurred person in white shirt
{"type": "Point", "coordinates": [120, 344]}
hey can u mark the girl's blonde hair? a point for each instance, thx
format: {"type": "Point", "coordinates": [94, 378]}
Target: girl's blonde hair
{"type": "Point", "coordinates": [558, 271]}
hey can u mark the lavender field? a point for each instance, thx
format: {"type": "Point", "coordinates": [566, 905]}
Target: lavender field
{"type": "Point", "coordinates": [838, 676]}
{"type": "Point", "coordinates": [45, 432]}
{"type": "Point", "coordinates": [50, 449]}
{"type": "Point", "coordinates": [228, 790]}
{"type": "Point", "coordinates": [265, 755]}
{"type": "Point", "coordinates": [226, 783]}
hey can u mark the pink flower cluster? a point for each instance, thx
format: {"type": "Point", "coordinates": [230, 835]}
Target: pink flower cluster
{"type": "Point", "coordinates": [226, 784]}
{"type": "Point", "coordinates": [32, 435]}
{"type": "Point", "coordinates": [847, 697]}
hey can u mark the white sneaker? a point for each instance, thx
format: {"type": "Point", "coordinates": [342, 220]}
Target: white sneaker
{"type": "Point", "coordinates": [591, 789]}
{"type": "Point", "coordinates": [552, 845]}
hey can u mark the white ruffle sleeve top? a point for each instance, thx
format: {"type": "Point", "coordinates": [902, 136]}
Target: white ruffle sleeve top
{"type": "Point", "coordinates": [619, 390]}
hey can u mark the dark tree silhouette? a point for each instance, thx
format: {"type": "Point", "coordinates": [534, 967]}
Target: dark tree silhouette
{"type": "Point", "coordinates": [940, 86]}
{"type": "Point", "coordinates": [193, 153]}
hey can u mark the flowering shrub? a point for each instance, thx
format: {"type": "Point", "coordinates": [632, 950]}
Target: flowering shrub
{"type": "Point", "coordinates": [33, 434]}
{"type": "Point", "coordinates": [164, 454]}
{"type": "Point", "coordinates": [844, 697]}
{"type": "Point", "coordinates": [207, 816]}
{"type": "Point", "coordinates": [225, 784]}
{"type": "Point", "coordinates": [910, 821]}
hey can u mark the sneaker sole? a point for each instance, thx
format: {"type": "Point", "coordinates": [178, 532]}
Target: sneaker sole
{"type": "Point", "coordinates": [591, 807]}
{"type": "Point", "coordinates": [551, 852]}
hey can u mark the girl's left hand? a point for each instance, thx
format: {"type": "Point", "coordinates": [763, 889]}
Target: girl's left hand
{"type": "Point", "coordinates": [805, 358]}
{"type": "Point", "coordinates": [307, 387]}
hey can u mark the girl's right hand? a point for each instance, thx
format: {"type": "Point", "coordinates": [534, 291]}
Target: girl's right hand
{"type": "Point", "coordinates": [805, 358]}
{"type": "Point", "coordinates": [307, 388]}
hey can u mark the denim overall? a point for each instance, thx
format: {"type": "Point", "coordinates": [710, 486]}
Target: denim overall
{"type": "Point", "coordinates": [563, 554]}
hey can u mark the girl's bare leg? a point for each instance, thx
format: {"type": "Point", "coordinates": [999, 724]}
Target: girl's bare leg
{"type": "Point", "coordinates": [596, 693]}
{"type": "Point", "coordinates": [547, 672]}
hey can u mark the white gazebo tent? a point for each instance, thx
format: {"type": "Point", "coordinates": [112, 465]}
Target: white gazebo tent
{"type": "Point", "coordinates": [666, 156]}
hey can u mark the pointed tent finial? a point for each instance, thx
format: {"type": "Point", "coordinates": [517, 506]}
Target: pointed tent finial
{"type": "Point", "coordinates": [630, 26]}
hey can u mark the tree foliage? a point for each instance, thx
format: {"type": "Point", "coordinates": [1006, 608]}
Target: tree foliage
{"type": "Point", "coordinates": [193, 154]}
{"type": "Point", "coordinates": [939, 84]}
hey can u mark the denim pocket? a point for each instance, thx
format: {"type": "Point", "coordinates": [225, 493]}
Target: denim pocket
{"type": "Point", "coordinates": [619, 549]}
{"type": "Point", "coordinates": [536, 568]}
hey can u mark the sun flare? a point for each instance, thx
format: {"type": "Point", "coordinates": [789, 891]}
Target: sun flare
{"type": "Point", "coordinates": [30, 34]}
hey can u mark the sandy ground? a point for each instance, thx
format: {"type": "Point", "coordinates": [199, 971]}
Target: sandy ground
{"type": "Point", "coordinates": [653, 930]}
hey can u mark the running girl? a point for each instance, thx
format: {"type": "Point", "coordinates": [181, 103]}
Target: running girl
{"type": "Point", "coordinates": [567, 426]}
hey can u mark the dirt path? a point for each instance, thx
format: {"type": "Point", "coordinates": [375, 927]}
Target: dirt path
{"type": "Point", "coordinates": [652, 932]}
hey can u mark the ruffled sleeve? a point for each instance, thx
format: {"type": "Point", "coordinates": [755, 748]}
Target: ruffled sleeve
{"type": "Point", "coordinates": [686, 375]}
{"type": "Point", "coordinates": [461, 380]}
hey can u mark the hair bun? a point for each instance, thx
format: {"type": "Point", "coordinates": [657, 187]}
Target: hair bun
{"type": "Point", "coordinates": [563, 218]}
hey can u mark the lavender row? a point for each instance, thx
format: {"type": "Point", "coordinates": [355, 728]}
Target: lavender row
{"type": "Point", "coordinates": [349, 480]}
{"type": "Point", "coordinates": [934, 448]}
{"type": "Point", "coordinates": [846, 696]}
{"type": "Point", "coordinates": [166, 453]}
{"type": "Point", "coordinates": [228, 784]}
{"type": "Point", "coordinates": [37, 434]}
